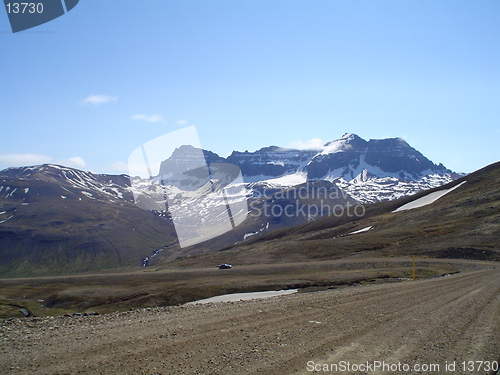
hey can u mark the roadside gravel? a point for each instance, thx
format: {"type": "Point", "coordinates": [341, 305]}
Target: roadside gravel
{"type": "Point", "coordinates": [439, 321]}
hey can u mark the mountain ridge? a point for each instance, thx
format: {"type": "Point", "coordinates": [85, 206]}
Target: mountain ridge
{"type": "Point", "coordinates": [56, 219]}
{"type": "Point", "coordinates": [367, 170]}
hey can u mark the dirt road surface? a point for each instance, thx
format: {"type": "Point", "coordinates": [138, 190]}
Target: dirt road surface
{"type": "Point", "coordinates": [440, 322]}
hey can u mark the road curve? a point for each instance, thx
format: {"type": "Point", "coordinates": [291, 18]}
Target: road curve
{"type": "Point", "coordinates": [446, 321]}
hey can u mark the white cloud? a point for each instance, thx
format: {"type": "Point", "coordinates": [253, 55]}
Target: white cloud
{"type": "Point", "coordinates": [23, 160]}
{"type": "Point", "coordinates": [132, 168]}
{"type": "Point", "coordinates": [74, 162]}
{"type": "Point", "coordinates": [99, 99]}
{"type": "Point", "coordinates": [182, 122]}
{"type": "Point", "coordinates": [152, 118]}
{"type": "Point", "coordinates": [119, 166]}
{"type": "Point", "coordinates": [20, 160]}
{"type": "Point", "coordinates": [311, 144]}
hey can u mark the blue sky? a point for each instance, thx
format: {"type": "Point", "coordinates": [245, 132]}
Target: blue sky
{"type": "Point", "coordinates": [88, 88]}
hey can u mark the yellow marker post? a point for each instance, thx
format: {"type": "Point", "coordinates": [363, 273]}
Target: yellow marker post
{"type": "Point", "coordinates": [413, 267]}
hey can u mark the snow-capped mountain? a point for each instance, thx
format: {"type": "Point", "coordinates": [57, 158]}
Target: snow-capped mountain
{"type": "Point", "coordinates": [369, 171]}
{"type": "Point", "coordinates": [30, 184]}
{"type": "Point", "coordinates": [352, 171]}
{"type": "Point", "coordinates": [352, 158]}
{"type": "Point", "coordinates": [271, 162]}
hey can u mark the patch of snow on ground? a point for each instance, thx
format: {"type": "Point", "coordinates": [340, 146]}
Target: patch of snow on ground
{"type": "Point", "coordinates": [11, 193]}
{"type": "Point", "coordinates": [3, 221]}
{"type": "Point", "coordinates": [247, 235]}
{"type": "Point", "coordinates": [427, 199]}
{"type": "Point", "coordinates": [87, 194]}
{"type": "Point", "coordinates": [244, 296]}
{"type": "Point", "coordinates": [289, 180]}
{"type": "Point", "coordinates": [361, 230]}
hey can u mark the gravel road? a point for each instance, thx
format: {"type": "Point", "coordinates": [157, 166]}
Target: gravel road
{"type": "Point", "coordinates": [442, 321]}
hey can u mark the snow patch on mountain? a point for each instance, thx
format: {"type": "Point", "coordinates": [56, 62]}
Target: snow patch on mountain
{"type": "Point", "coordinates": [427, 199]}
{"type": "Point", "coordinates": [361, 230]}
{"type": "Point", "coordinates": [389, 188]}
{"type": "Point", "coordinates": [293, 179]}
{"type": "Point", "coordinates": [3, 221]}
{"type": "Point", "coordinates": [251, 234]}
{"type": "Point", "coordinates": [338, 145]}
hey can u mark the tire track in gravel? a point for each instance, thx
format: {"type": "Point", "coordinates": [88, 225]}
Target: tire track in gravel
{"type": "Point", "coordinates": [414, 337]}
{"type": "Point", "coordinates": [439, 319]}
{"type": "Point", "coordinates": [234, 328]}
